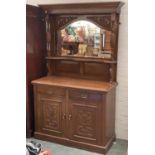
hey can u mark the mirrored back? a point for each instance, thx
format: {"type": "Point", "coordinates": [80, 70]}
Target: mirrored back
{"type": "Point", "coordinates": [84, 39]}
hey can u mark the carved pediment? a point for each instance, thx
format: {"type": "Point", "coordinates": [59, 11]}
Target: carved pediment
{"type": "Point", "coordinates": [103, 21]}
{"type": "Point", "coordinates": [61, 22]}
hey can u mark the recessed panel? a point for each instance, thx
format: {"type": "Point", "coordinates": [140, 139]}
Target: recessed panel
{"type": "Point", "coordinates": [67, 67]}
{"type": "Point", "coordinates": [97, 71]}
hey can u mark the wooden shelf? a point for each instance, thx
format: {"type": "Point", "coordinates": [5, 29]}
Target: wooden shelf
{"type": "Point", "coordinates": [75, 83]}
{"type": "Point", "coordinates": [85, 59]}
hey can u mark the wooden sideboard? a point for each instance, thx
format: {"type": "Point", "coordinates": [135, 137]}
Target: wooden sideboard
{"type": "Point", "coordinates": [75, 103]}
{"type": "Point", "coordinates": [75, 112]}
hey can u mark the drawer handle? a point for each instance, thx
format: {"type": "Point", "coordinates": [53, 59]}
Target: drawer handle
{"type": "Point", "coordinates": [64, 116]}
{"type": "Point", "coordinates": [50, 92]}
{"type": "Point", "coordinates": [84, 96]}
{"type": "Point", "coordinates": [70, 116]}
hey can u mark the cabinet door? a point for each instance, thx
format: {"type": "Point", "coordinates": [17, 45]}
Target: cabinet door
{"type": "Point", "coordinates": [84, 119]}
{"type": "Point", "coordinates": [50, 116]}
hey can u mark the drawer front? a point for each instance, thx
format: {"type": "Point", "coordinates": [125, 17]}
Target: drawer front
{"type": "Point", "coordinates": [83, 95]}
{"type": "Point", "coordinates": [51, 91]}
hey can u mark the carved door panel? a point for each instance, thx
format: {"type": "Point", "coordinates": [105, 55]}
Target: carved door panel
{"type": "Point", "coordinates": [84, 122]}
{"type": "Point", "coordinates": [51, 118]}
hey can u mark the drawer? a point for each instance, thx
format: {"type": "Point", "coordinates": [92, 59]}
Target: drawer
{"type": "Point", "coordinates": [51, 91]}
{"type": "Point", "coordinates": [83, 95]}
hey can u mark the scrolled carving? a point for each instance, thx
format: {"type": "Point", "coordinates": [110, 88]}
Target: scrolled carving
{"type": "Point", "coordinates": [85, 123]}
{"type": "Point", "coordinates": [51, 116]}
{"type": "Point", "coordinates": [103, 21]}
{"type": "Point", "coordinates": [113, 41]}
{"type": "Point", "coordinates": [63, 21]}
{"type": "Point", "coordinates": [115, 23]}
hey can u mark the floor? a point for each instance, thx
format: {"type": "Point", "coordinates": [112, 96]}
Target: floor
{"type": "Point", "coordinates": [118, 148]}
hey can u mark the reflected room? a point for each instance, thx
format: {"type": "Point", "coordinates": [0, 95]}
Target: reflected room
{"type": "Point", "coordinates": [84, 39]}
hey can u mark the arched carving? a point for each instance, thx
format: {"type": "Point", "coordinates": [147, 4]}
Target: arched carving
{"type": "Point", "coordinates": [103, 21]}
{"type": "Point", "coordinates": [115, 24]}
{"type": "Point", "coordinates": [61, 22]}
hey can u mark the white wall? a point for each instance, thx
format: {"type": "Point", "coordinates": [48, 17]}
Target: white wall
{"type": "Point", "coordinates": [122, 72]}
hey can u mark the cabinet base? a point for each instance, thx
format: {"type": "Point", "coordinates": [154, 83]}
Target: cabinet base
{"type": "Point", "coordinates": [76, 144]}
{"type": "Point", "coordinates": [29, 133]}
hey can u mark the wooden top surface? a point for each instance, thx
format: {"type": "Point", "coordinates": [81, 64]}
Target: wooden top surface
{"type": "Point", "coordinates": [80, 8]}
{"type": "Point", "coordinates": [75, 83]}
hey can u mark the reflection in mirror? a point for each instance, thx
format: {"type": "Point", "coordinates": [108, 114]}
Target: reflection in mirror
{"type": "Point", "coordinates": [83, 38]}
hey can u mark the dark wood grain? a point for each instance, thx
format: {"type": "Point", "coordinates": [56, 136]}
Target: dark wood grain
{"type": "Point", "coordinates": [35, 58]}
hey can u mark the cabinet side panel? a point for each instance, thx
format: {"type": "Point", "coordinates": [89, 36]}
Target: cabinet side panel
{"type": "Point", "coordinates": [36, 109]}
{"type": "Point", "coordinates": [35, 58]}
{"type": "Point", "coordinates": [109, 114]}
